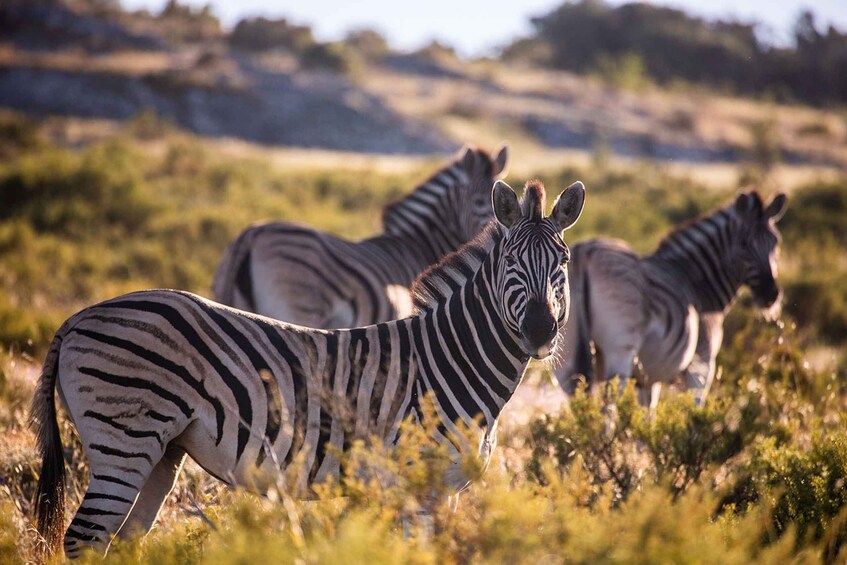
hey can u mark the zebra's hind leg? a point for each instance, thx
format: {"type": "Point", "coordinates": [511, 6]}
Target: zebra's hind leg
{"type": "Point", "coordinates": [154, 493]}
{"type": "Point", "coordinates": [116, 478]}
{"type": "Point", "coordinates": [109, 498]}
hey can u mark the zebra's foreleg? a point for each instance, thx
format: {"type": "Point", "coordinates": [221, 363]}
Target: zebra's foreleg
{"type": "Point", "coordinates": [700, 372]}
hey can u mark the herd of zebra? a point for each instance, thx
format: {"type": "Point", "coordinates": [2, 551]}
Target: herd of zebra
{"type": "Point", "coordinates": [315, 341]}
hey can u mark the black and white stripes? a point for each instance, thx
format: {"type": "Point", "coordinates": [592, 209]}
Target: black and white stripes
{"type": "Point", "coordinates": [307, 277]}
{"type": "Point", "coordinates": [152, 376]}
{"type": "Point", "coordinates": [663, 314]}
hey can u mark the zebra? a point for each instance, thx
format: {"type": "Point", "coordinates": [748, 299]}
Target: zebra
{"type": "Point", "coordinates": [304, 276]}
{"type": "Point", "coordinates": [151, 377]}
{"type": "Point", "coordinates": [657, 316]}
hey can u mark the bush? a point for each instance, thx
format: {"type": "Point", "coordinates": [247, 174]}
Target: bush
{"type": "Point", "coordinates": [332, 57]}
{"type": "Point", "coordinates": [625, 72]}
{"type": "Point", "coordinates": [816, 215]}
{"type": "Point", "coordinates": [65, 194]}
{"type": "Point", "coordinates": [805, 487]}
{"type": "Point", "coordinates": [620, 445]}
{"type": "Point", "coordinates": [820, 302]}
{"type": "Point", "coordinates": [18, 134]}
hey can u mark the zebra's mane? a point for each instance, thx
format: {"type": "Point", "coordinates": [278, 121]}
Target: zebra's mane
{"type": "Point", "coordinates": [532, 204]}
{"type": "Point", "coordinates": [392, 214]}
{"type": "Point", "coordinates": [442, 279]}
{"type": "Point", "coordinates": [672, 240]}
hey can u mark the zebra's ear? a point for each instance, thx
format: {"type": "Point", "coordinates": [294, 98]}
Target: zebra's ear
{"type": "Point", "coordinates": [568, 206]}
{"type": "Point", "coordinates": [505, 203]}
{"type": "Point", "coordinates": [776, 209]}
{"type": "Point", "coordinates": [467, 157]}
{"type": "Point", "coordinates": [501, 163]}
{"type": "Point", "coordinates": [748, 204]}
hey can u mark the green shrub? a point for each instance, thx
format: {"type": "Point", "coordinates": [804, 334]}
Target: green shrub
{"type": "Point", "coordinates": [626, 72]}
{"type": "Point", "coordinates": [18, 134]}
{"type": "Point", "coordinates": [620, 445]}
{"type": "Point", "coordinates": [819, 301]}
{"type": "Point", "coordinates": [804, 486]}
{"type": "Point", "coordinates": [72, 195]}
{"type": "Point", "coordinates": [816, 215]}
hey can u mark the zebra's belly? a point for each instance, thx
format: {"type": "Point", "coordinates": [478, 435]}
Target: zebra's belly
{"type": "Point", "coordinates": [667, 351]}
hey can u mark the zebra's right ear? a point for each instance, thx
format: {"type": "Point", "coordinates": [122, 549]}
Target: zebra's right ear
{"type": "Point", "coordinates": [501, 163]}
{"type": "Point", "coordinates": [505, 203]}
{"type": "Point", "coordinates": [776, 209]}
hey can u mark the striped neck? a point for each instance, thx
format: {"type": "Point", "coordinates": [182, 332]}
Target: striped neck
{"type": "Point", "coordinates": [700, 254]}
{"type": "Point", "coordinates": [425, 221]}
{"type": "Point", "coordinates": [468, 357]}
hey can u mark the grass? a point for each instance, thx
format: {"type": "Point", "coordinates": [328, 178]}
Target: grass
{"type": "Point", "coordinates": [756, 475]}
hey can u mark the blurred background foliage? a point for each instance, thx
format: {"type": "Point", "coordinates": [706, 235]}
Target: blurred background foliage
{"type": "Point", "coordinates": [80, 226]}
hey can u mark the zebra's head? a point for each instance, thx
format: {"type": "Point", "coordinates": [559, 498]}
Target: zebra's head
{"type": "Point", "coordinates": [757, 246]}
{"type": "Point", "coordinates": [472, 202]}
{"type": "Point", "coordinates": [531, 268]}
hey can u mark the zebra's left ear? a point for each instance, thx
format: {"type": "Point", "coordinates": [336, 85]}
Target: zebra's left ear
{"type": "Point", "coordinates": [568, 206]}
{"type": "Point", "coordinates": [776, 209]}
{"type": "Point", "coordinates": [467, 156]}
{"type": "Point", "coordinates": [501, 163]}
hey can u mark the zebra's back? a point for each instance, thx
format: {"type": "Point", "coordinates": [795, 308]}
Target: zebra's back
{"type": "Point", "coordinates": [307, 277]}
{"type": "Point", "coordinates": [311, 278]}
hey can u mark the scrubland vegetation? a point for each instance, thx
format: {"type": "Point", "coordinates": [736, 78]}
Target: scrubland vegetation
{"type": "Point", "coordinates": [758, 474]}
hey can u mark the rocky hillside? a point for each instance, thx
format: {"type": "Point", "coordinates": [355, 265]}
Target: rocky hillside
{"type": "Point", "coordinates": [270, 82]}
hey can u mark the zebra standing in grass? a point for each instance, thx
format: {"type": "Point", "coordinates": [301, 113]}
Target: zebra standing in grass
{"type": "Point", "coordinates": [304, 276]}
{"type": "Point", "coordinates": [663, 314]}
{"type": "Point", "coordinates": [151, 376]}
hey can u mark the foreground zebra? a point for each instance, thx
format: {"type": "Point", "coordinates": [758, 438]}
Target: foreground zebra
{"type": "Point", "coordinates": [304, 276]}
{"type": "Point", "coordinates": [665, 312]}
{"type": "Point", "coordinates": [152, 376]}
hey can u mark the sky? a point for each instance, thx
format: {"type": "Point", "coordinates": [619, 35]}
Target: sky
{"type": "Point", "coordinates": [479, 27]}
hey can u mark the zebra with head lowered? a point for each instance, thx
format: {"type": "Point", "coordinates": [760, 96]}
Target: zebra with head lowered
{"type": "Point", "coordinates": [150, 377]}
{"type": "Point", "coordinates": [663, 314]}
{"type": "Point", "coordinates": [304, 276]}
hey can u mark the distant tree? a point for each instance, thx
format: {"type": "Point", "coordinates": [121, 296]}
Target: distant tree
{"type": "Point", "coordinates": [368, 42]}
{"type": "Point", "coordinates": [671, 43]}
{"type": "Point", "coordinates": [330, 57]}
{"type": "Point", "coordinates": [263, 34]}
{"type": "Point", "coordinates": [437, 52]}
{"type": "Point", "coordinates": [590, 36]}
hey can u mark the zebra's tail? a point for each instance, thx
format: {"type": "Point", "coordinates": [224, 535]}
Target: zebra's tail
{"type": "Point", "coordinates": [50, 495]}
{"type": "Point", "coordinates": [233, 272]}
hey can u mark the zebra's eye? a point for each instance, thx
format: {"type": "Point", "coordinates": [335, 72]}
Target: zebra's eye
{"type": "Point", "coordinates": [509, 260]}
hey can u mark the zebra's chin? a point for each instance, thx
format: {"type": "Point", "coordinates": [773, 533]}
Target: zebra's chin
{"type": "Point", "coordinates": [543, 352]}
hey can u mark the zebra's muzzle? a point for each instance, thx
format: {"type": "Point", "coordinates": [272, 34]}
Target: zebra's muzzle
{"type": "Point", "coordinates": [538, 329]}
{"type": "Point", "coordinates": [766, 295]}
